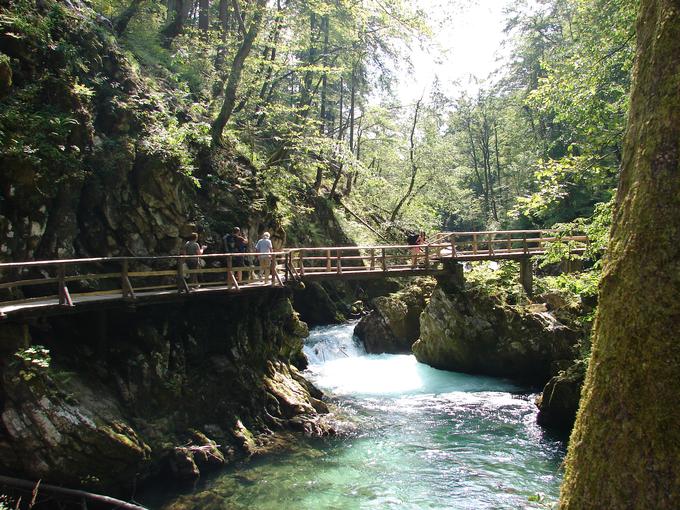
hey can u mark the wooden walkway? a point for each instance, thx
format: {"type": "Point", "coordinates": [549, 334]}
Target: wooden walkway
{"type": "Point", "coordinates": [61, 286]}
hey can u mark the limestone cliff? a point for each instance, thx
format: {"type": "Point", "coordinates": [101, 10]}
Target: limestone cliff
{"type": "Point", "coordinates": [109, 399]}
{"type": "Point", "coordinates": [469, 331]}
{"type": "Point", "coordinates": [394, 323]}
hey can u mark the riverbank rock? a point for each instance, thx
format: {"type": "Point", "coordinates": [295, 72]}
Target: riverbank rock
{"type": "Point", "coordinates": [394, 323]}
{"type": "Point", "coordinates": [103, 400]}
{"type": "Point", "coordinates": [559, 401]}
{"type": "Point", "coordinates": [467, 330]}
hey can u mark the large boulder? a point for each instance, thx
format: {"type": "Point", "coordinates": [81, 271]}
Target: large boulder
{"type": "Point", "coordinates": [394, 323]}
{"type": "Point", "coordinates": [470, 331]}
{"type": "Point", "coordinates": [559, 401]}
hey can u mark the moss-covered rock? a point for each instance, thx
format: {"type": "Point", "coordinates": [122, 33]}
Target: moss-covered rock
{"type": "Point", "coordinates": [122, 394]}
{"type": "Point", "coordinates": [559, 401]}
{"type": "Point", "coordinates": [394, 323]}
{"type": "Point", "coordinates": [469, 331]}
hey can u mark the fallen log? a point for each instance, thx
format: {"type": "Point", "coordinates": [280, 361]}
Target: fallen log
{"type": "Point", "coordinates": [25, 484]}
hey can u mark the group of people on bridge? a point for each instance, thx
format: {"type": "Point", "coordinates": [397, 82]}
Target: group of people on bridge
{"type": "Point", "coordinates": [234, 242]}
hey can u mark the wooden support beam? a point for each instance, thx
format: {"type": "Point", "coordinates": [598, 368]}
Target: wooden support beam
{"type": "Point", "coordinates": [526, 275]}
{"type": "Point", "coordinates": [64, 295]}
{"type": "Point", "coordinates": [230, 273]}
{"type": "Point", "coordinates": [182, 286]}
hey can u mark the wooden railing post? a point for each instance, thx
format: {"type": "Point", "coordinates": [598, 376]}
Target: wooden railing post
{"type": "Point", "coordinates": [328, 261]}
{"type": "Point", "coordinates": [427, 257]}
{"type": "Point", "coordinates": [474, 244]}
{"type": "Point", "coordinates": [372, 259]}
{"type": "Point", "coordinates": [453, 246]}
{"type": "Point", "coordinates": [181, 277]}
{"type": "Point", "coordinates": [126, 286]}
{"type": "Point", "coordinates": [287, 268]}
{"type": "Point", "coordinates": [526, 244]}
{"type": "Point", "coordinates": [231, 279]}
{"type": "Point", "coordinates": [509, 243]}
{"type": "Point", "coordinates": [64, 295]}
{"type": "Point", "coordinates": [338, 261]}
{"type": "Point", "coordinates": [302, 263]}
{"type": "Point", "coordinates": [526, 275]}
{"type": "Point", "coordinates": [383, 261]}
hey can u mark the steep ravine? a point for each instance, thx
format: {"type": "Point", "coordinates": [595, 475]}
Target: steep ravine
{"type": "Point", "coordinates": [174, 389]}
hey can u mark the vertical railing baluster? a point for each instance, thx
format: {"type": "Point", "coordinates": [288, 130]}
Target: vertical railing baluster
{"type": "Point", "coordinates": [338, 261]}
{"type": "Point", "coordinates": [64, 295]}
{"type": "Point", "coordinates": [328, 261]}
{"type": "Point", "coordinates": [181, 277]}
{"type": "Point", "coordinates": [427, 257]}
{"type": "Point", "coordinates": [383, 261]}
{"type": "Point", "coordinates": [474, 244]}
{"type": "Point", "coordinates": [126, 286]}
{"type": "Point", "coordinates": [372, 259]}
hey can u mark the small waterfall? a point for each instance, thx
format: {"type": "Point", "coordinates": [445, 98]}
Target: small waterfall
{"type": "Point", "coordinates": [328, 343]}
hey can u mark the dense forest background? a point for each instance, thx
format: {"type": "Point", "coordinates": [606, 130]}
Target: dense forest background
{"type": "Point", "coordinates": [304, 91]}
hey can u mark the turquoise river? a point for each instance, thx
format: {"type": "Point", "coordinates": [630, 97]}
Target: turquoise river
{"type": "Point", "coordinates": [422, 438]}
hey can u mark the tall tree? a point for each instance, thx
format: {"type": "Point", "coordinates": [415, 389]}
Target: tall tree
{"type": "Point", "coordinates": [625, 446]}
{"type": "Point", "coordinates": [239, 61]}
{"type": "Point", "coordinates": [204, 14]}
{"type": "Point", "coordinates": [412, 161]}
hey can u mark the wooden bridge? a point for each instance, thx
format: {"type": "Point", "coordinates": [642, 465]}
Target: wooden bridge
{"type": "Point", "coordinates": [60, 286]}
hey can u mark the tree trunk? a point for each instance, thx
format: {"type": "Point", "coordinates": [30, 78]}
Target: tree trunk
{"type": "Point", "coordinates": [352, 104]}
{"type": "Point", "coordinates": [120, 24]}
{"type": "Point", "coordinates": [204, 15]}
{"type": "Point", "coordinates": [414, 167]}
{"type": "Point", "coordinates": [625, 445]}
{"type": "Point", "coordinates": [235, 74]}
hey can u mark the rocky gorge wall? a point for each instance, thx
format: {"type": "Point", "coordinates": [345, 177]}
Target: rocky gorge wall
{"type": "Point", "coordinates": [105, 400]}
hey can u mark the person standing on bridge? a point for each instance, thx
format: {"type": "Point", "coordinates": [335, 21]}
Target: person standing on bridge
{"type": "Point", "coordinates": [236, 243]}
{"type": "Point", "coordinates": [264, 249]}
{"type": "Point", "coordinates": [191, 247]}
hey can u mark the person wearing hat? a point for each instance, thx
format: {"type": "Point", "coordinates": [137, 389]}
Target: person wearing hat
{"type": "Point", "coordinates": [264, 250]}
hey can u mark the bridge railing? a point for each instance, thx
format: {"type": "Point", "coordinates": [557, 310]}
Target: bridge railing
{"type": "Point", "coordinates": [504, 243]}
{"type": "Point", "coordinates": [127, 276]}
{"type": "Point", "coordinates": [338, 260]}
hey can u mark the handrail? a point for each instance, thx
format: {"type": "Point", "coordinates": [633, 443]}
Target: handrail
{"type": "Point", "coordinates": [137, 278]}
{"type": "Point", "coordinates": [37, 263]}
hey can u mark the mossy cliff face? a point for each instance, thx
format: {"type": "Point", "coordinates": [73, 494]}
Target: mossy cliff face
{"type": "Point", "coordinates": [126, 393]}
{"type": "Point", "coordinates": [394, 323]}
{"type": "Point", "coordinates": [466, 330]}
{"type": "Point", "coordinates": [101, 158]}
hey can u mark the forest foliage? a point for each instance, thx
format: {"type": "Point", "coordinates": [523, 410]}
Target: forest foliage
{"type": "Point", "coordinates": [304, 90]}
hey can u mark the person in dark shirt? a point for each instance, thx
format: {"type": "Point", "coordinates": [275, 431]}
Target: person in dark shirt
{"type": "Point", "coordinates": [236, 243]}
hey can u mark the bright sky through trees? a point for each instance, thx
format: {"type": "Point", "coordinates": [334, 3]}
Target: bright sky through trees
{"type": "Point", "coordinates": [465, 47]}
